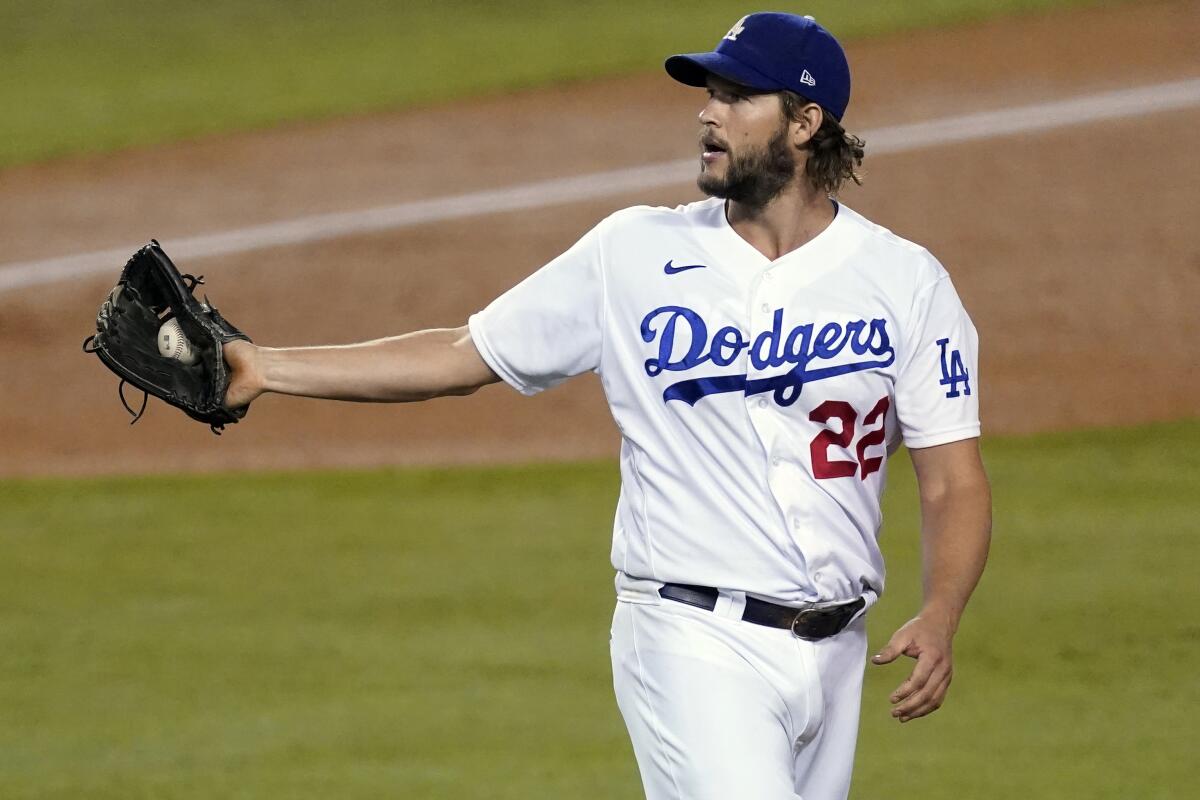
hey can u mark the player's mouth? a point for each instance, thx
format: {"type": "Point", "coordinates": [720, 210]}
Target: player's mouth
{"type": "Point", "coordinates": [711, 150]}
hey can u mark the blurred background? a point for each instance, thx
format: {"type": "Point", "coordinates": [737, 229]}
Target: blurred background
{"type": "Point", "coordinates": [353, 170]}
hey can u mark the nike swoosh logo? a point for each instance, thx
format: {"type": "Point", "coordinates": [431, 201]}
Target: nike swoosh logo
{"type": "Point", "coordinates": [671, 269]}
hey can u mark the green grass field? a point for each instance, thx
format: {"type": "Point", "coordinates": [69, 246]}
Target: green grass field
{"type": "Point", "coordinates": [81, 76]}
{"type": "Point", "coordinates": [443, 634]}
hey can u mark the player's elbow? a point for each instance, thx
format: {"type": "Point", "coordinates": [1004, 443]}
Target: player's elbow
{"type": "Point", "coordinates": [462, 391]}
{"type": "Point", "coordinates": [469, 381]}
{"type": "Point", "coordinates": [965, 484]}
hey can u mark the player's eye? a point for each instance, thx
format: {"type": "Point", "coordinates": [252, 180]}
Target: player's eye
{"type": "Point", "coordinates": [725, 96]}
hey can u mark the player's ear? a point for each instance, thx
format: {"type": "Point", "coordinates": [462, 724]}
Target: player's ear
{"type": "Point", "coordinates": [806, 121]}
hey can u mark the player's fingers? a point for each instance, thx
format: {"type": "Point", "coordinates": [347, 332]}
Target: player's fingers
{"type": "Point", "coordinates": [927, 664]}
{"type": "Point", "coordinates": [926, 701]}
{"type": "Point", "coordinates": [916, 705]}
{"type": "Point", "coordinates": [930, 704]}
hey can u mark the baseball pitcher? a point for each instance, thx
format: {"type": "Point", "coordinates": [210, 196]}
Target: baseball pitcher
{"type": "Point", "coordinates": [763, 352]}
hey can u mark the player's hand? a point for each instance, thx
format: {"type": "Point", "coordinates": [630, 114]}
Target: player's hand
{"type": "Point", "coordinates": [245, 377]}
{"type": "Point", "coordinates": [929, 642]}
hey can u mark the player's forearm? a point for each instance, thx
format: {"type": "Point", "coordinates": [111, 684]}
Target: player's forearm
{"type": "Point", "coordinates": [415, 366]}
{"type": "Point", "coordinates": [956, 534]}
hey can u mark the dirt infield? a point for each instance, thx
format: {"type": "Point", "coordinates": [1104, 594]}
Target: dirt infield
{"type": "Point", "coordinates": [1076, 250]}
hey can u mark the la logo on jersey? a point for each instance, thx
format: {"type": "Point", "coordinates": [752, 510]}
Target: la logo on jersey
{"type": "Point", "coordinates": [814, 354]}
{"type": "Point", "coordinates": [953, 371]}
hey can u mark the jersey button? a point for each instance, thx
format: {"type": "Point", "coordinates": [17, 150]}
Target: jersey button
{"type": "Point", "coordinates": [768, 276]}
{"type": "Point", "coordinates": [775, 461]}
{"type": "Point", "coordinates": [762, 402]}
{"type": "Point", "coordinates": [766, 308]}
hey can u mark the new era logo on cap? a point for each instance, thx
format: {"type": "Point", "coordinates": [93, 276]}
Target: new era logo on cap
{"type": "Point", "coordinates": [807, 79]}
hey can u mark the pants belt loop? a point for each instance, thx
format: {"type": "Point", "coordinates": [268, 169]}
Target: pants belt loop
{"type": "Point", "coordinates": [730, 604]}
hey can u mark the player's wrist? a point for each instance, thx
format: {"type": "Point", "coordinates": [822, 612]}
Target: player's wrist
{"type": "Point", "coordinates": [941, 613]}
{"type": "Point", "coordinates": [246, 381]}
{"type": "Point", "coordinates": [261, 359]}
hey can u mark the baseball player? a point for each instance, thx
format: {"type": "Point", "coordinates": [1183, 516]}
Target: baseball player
{"type": "Point", "coordinates": [763, 353]}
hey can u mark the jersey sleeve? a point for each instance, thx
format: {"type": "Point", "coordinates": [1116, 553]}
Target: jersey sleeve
{"type": "Point", "coordinates": [548, 327]}
{"type": "Point", "coordinates": [937, 390]}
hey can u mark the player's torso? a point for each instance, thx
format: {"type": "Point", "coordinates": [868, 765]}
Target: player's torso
{"type": "Point", "coordinates": [756, 397]}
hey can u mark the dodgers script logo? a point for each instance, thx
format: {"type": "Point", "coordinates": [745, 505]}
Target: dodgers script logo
{"type": "Point", "coordinates": [804, 347]}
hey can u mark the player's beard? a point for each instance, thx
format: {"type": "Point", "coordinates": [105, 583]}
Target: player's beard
{"type": "Point", "coordinates": [754, 176]}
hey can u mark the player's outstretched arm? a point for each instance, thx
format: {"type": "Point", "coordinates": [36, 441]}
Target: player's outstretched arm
{"type": "Point", "coordinates": [956, 524]}
{"type": "Point", "coordinates": [399, 369]}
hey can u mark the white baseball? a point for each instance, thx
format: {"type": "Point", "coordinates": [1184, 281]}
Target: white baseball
{"type": "Point", "coordinates": [173, 344]}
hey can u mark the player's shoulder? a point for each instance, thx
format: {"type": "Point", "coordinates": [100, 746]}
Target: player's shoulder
{"type": "Point", "coordinates": [892, 252]}
{"type": "Point", "coordinates": [701, 213]}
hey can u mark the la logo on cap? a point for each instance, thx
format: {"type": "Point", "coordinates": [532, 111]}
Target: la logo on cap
{"type": "Point", "coordinates": [738, 28]}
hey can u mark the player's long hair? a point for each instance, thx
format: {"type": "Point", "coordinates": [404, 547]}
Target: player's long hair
{"type": "Point", "coordinates": [834, 155]}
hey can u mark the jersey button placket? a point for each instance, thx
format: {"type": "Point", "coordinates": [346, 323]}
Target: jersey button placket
{"type": "Point", "coordinates": [760, 313]}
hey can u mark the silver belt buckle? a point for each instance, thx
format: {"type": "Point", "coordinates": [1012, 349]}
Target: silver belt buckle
{"type": "Point", "coordinates": [808, 612]}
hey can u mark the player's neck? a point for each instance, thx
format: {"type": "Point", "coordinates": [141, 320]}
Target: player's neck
{"type": "Point", "coordinates": [786, 223]}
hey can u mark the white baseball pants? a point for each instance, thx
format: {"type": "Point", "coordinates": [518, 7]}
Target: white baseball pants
{"type": "Point", "coordinates": [721, 709]}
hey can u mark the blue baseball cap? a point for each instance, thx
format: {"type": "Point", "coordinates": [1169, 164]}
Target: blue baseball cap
{"type": "Point", "coordinates": [771, 51]}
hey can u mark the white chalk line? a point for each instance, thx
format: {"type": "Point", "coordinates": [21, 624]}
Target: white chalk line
{"type": "Point", "coordinates": [558, 191]}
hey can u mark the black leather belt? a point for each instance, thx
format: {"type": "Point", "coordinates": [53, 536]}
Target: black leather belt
{"type": "Point", "coordinates": [811, 621]}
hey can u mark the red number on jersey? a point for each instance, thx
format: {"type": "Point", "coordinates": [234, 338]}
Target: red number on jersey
{"type": "Point", "coordinates": [819, 447]}
{"type": "Point", "coordinates": [873, 463]}
{"type": "Point", "coordinates": [822, 466]}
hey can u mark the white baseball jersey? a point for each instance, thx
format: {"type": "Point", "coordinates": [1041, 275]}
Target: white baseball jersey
{"type": "Point", "coordinates": [758, 400]}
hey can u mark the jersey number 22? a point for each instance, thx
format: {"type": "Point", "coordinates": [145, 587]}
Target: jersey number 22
{"type": "Point", "coordinates": [822, 465]}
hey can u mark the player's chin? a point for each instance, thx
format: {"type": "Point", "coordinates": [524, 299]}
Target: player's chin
{"type": "Point", "coordinates": [712, 182]}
